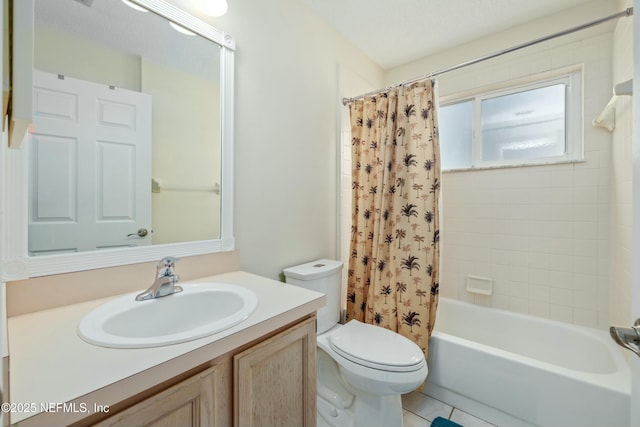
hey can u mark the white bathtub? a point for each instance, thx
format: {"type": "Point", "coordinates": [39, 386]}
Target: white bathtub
{"type": "Point", "coordinates": [542, 372]}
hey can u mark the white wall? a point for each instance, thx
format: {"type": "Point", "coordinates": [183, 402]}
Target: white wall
{"type": "Point", "coordinates": [286, 130]}
{"type": "Point", "coordinates": [542, 233]}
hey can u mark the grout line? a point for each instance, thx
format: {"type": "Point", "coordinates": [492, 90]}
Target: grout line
{"type": "Point", "coordinates": [417, 415]}
{"type": "Point", "coordinates": [451, 413]}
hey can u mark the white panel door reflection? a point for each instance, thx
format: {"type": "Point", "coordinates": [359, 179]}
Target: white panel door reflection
{"type": "Point", "coordinates": [90, 170]}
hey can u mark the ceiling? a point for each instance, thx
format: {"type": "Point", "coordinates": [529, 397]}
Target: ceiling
{"type": "Point", "coordinates": [394, 32]}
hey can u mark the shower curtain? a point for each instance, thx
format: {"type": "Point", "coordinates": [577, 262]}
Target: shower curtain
{"type": "Point", "coordinates": [394, 260]}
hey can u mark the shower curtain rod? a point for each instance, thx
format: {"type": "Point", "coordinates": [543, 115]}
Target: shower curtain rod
{"type": "Point", "coordinates": [625, 13]}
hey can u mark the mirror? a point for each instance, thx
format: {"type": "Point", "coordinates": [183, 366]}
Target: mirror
{"type": "Point", "coordinates": [129, 154]}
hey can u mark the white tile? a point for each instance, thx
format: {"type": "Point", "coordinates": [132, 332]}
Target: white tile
{"type": "Point", "coordinates": [519, 290]}
{"type": "Point", "coordinates": [519, 305]}
{"type": "Point", "coordinates": [483, 300]}
{"type": "Point", "coordinates": [560, 296]}
{"type": "Point", "coordinates": [561, 263]}
{"type": "Point", "coordinates": [560, 279]}
{"type": "Point", "coordinates": [519, 273]}
{"type": "Point", "coordinates": [586, 54]}
{"type": "Point", "coordinates": [586, 265]}
{"type": "Point", "coordinates": [587, 211]}
{"type": "Point", "coordinates": [468, 420]}
{"type": "Point", "coordinates": [586, 195]}
{"type": "Point", "coordinates": [501, 287]}
{"type": "Point", "coordinates": [412, 420]}
{"type": "Point", "coordinates": [585, 299]}
{"type": "Point", "coordinates": [585, 230]}
{"type": "Point", "coordinates": [604, 320]}
{"type": "Point", "coordinates": [561, 313]}
{"type": "Point", "coordinates": [500, 75]}
{"type": "Point", "coordinates": [539, 308]}
{"type": "Point", "coordinates": [562, 58]}
{"type": "Point", "coordinates": [425, 406]}
{"type": "Point", "coordinates": [560, 246]}
{"type": "Point", "coordinates": [585, 317]}
{"type": "Point", "coordinates": [539, 292]}
{"type": "Point", "coordinates": [584, 281]}
{"type": "Point", "coordinates": [586, 177]}
{"type": "Point", "coordinates": [539, 273]}
{"type": "Point", "coordinates": [562, 178]}
{"type": "Point", "coordinates": [519, 69]}
{"type": "Point", "coordinates": [585, 248]}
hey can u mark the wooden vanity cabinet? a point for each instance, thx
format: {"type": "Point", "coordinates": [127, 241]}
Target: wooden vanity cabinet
{"type": "Point", "coordinates": [275, 380]}
{"type": "Point", "coordinates": [270, 383]}
{"type": "Point", "coordinates": [200, 400]}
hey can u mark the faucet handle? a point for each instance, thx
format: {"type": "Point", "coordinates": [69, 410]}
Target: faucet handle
{"type": "Point", "coordinates": [166, 265]}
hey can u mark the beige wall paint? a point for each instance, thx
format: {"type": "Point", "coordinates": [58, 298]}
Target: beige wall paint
{"type": "Point", "coordinates": [287, 73]}
{"type": "Point", "coordinates": [184, 156]}
{"type": "Point", "coordinates": [42, 293]}
{"type": "Point", "coordinates": [59, 53]}
{"type": "Point", "coordinates": [286, 130]}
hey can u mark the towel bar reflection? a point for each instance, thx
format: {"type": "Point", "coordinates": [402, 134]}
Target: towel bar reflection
{"type": "Point", "coordinates": [157, 186]}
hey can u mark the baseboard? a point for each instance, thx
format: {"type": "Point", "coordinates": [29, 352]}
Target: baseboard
{"type": "Point", "coordinates": [473, 407]}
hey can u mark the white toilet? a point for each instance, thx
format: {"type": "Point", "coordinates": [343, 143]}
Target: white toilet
{"type": "Point", "coordinates": [362, 369]}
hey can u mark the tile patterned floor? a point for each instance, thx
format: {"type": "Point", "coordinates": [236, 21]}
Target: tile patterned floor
{"type": "Point", "coordinates": [420, 410]}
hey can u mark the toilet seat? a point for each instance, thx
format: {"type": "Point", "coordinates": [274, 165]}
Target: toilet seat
{"type": "Point", "coordinates": [376, 348]}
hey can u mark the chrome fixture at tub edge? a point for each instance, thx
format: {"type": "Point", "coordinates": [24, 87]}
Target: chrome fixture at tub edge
{"type": "Point", "coordinates": [628, 338]}
{"type": "Point", "coordinates": [165, 281]}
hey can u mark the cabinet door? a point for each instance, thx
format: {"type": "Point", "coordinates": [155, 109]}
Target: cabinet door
{"type": "Point", "coordinates": [201, 400]}
{"type": "Point", "coordinates": [275, 381]}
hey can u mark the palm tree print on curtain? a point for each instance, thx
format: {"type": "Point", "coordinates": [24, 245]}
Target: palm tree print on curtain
{"type": "Point", "coordinates": [394, 261]}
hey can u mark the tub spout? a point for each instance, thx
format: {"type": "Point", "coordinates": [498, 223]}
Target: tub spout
{"type": "Point", "coordinates": [628, 338]}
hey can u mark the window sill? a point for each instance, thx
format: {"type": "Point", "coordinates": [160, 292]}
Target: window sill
{"type": "Point", "coordinates": [510, 166]}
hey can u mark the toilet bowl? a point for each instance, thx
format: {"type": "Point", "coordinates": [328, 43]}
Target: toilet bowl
{"type": "Point", "coordinates": [362, 369]}
{"type": "Point", "coordinates": [375, 366]}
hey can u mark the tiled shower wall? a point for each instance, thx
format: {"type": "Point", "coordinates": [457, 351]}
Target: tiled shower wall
{"type": "Point", "coordinates": [555, 239]}
{"type": "Point", "coordinates": [541, 233]}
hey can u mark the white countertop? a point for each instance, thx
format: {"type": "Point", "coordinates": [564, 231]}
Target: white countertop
{"type": "Point", "coordinates": [50, 364]}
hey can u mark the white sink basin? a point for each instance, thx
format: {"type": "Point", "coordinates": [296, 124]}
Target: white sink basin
{"type": "Point", "coordinates": [201, 309]}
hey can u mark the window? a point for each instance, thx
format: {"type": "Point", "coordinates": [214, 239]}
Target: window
{"type": "Point", "coordinates": [537, 123]}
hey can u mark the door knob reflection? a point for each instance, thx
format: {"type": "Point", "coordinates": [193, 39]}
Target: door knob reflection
{"type": "Point", "coordinates": [142, 232]}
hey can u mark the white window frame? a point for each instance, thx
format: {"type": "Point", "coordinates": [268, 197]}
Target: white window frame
{"type": "Point", "coordinates": [574, 145]}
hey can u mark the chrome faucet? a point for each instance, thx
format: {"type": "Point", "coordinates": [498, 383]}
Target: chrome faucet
{"type": "Point", "coordinates": [165, 281]}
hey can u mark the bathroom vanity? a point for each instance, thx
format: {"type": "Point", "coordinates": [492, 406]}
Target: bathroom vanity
{"type": "Point", "coordinates": [260, 372]}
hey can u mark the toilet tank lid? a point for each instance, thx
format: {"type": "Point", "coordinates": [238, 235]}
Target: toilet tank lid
{"type": "Point", "coordinates": [314, 269]}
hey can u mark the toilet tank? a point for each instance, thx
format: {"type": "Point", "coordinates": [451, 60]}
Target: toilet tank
{"type": "Point", "coordinates": [324, 276]}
